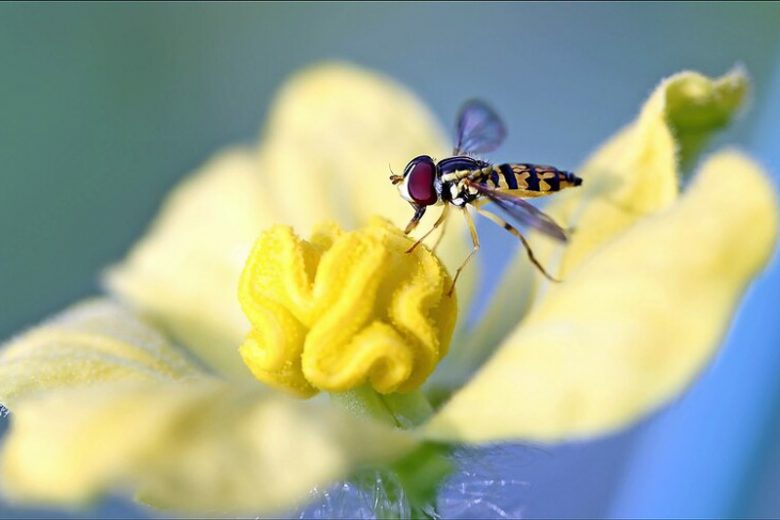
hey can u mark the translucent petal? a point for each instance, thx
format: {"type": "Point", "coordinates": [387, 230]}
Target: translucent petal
{"type": "Point", "coordinates": [483, 485]}
{"type": "Point", "coordinates": [633, 325]}
{"type": "Point", "coordinates": [486, 484]}
{"type": "Point", "coordinates": [368, 495]}
{"type": "Point", "coordinates": [89, 343]}
{"type": "Point", "coordinates": [202, 446]}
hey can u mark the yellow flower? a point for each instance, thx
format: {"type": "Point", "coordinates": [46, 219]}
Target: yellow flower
{"type": "Point", "coordinates": [344, 309]}
{"type": "Point", "coordinates": [151, 394]}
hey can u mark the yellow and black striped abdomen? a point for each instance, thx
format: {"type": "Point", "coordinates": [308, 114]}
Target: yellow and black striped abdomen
{"type": "Point", "coordinates": [531, 180]}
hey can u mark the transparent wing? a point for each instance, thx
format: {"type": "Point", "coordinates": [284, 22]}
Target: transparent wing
{"type": "Point", "coordinates": [523, 212]}
{"type": "Point", "coordinates": [479, 129]}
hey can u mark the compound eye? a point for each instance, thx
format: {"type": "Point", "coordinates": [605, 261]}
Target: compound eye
{"type": "Point", "coordinates": [420, 178]}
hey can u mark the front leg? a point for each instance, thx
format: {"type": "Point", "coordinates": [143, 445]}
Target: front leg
{"type": "Point", "coordinates": [442, 218]}
{"type": "Point", "coordinates": [418, 215]}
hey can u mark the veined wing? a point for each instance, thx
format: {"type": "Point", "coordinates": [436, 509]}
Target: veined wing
{"type": "Point", "coordinates": [479, 129]}
{"type": "Point", "coordinates": [523, 212]}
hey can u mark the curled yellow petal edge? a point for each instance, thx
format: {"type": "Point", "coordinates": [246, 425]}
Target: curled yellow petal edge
{"type": "Point", "coordinates": [344, 309]}
{"type": "Point", "coordinates": [633, 325]}
{"type": "Point", "coordinates": [100, 401]}
{"type": "Point", "coordinates": [637, 171]}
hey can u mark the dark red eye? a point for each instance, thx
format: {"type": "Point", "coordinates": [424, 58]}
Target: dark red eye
{"type": "Point", "coordinates": [420, 177]}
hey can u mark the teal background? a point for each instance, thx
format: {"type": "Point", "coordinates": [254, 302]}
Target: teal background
{"type": "Point", "coordinates": [104, 107]}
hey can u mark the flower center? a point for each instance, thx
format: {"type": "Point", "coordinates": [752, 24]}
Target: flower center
{"type": "Point", "coordinates": [344, 309]}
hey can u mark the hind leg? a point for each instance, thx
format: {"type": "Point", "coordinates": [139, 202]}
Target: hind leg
{"type": "Point", "coordinates": [506, 225]}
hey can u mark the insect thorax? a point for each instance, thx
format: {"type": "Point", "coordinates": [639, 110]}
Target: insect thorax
{"type": "Point", "coordinates": [457, 192]}
{"type": "Point", "coordinates": [453, 175]}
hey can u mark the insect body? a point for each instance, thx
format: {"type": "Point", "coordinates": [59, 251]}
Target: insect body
{"type": "Point", "coordinates": [463, 180]}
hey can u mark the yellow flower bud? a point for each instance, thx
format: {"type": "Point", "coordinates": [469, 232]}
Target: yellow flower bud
{"type": "Point", "coordinates": [344, 309]}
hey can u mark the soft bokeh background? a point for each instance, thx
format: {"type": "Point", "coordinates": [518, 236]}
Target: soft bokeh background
{"type": "Point", "coordinates": [103, 108]}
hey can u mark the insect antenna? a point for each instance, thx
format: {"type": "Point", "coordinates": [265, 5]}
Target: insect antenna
{"type": "Point", "coordinates": [395, 179]}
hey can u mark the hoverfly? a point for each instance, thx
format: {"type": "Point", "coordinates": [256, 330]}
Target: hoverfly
{"type": "Point", "coordinates": [463, 180]}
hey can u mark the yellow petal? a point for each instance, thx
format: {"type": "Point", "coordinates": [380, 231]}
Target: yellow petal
{"type": "Point", "coordinates": [636, 172]}
{"type": "Point", "coordinates": [200, 446]}
{"type": "Point", "coordinates": [89, 343]}
{"type": "Point", "coordinates": [334, 132]}
{"type": "Point", "coordinates": [184, 273]}
{"type": "Point", "coordinates": [344, 309]}
{"type": "Point", "coordinates": [633, 325]}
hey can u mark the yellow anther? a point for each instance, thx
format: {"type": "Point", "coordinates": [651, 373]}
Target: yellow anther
{"type": "Point", "coordinates": [344, 309]}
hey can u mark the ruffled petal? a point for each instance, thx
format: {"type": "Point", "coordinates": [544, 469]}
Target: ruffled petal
{"type": "Point", "coordinates": [345, 309]}
{"type": "Point", "coordinates": [93, 342]}
{"type": "Point", "coordinates": [633, 325]}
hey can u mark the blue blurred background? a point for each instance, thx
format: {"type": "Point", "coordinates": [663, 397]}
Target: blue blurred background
{"type": "Point", "coordinates": [104, 107]}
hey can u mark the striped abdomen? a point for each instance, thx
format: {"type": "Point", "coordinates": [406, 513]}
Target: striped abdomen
{"type": "Point", "coordinates": [533, 179]}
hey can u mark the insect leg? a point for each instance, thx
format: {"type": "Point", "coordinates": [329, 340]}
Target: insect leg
{"type": "Point", "coordinates": [418, 214]}
{"type": "Point", "coordinates": [475, 243]}
{"type": "Point", "coordinates": [506, 225]}
{"type": "Point", "coordinates": [442, 218]}
{"type": "Point", "coordinates": [443, 231]}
